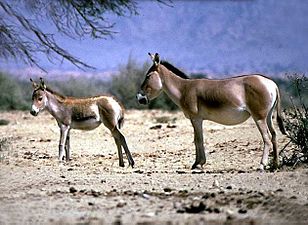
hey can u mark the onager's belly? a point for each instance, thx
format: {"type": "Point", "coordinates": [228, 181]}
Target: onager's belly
{"type": "Point", "coordinates": [227, 116]}
{"type": "Point", "coordinates": [88, 124]}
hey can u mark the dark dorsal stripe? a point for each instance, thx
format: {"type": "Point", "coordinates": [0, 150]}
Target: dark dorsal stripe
{"type": "Point", "coordinates": [174, 70]}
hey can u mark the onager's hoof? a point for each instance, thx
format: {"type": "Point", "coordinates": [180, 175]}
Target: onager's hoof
{"type": "Point", "coordinates": [261, 168]}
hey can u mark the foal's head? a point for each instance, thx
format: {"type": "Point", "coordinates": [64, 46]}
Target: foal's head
{"type": "Point", "coordinates": [152, 85]}
{"type": "Point", "coordinates": [39, 98]}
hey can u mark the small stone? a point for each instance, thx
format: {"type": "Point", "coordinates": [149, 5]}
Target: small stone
{"type": "Point", "coordinates": [195, 207]}
{"type": "Point", "coordinates": [146, 196]}
{"type": "Point", "coordinates": [216, 210]}
{"type": "Point", "coordinates": [95, 193]}
{"type": "Point", "coordinates": [121, 204]}
{"type": "Point", "coordinates": [90, 203]}
{"type": "Point", "coordinates": [215, 184]}
{"type": "Point", "coordinates": [242, 211]}
{"type": "Point", "coordinates": [229, 187]}
{"type": "Point", "coordinates": [230, 214]}
{"type": "Point", "coordinates": [156, 127]}
{"type": "Point", "coordinates": [167, 189]}
{"type": "Point", "coordinates": [73, 190]}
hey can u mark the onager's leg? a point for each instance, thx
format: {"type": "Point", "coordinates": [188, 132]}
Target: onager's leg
{"type": "Point", "coordinates": [63, 134]}
{"type": "Point", "coordinates": [67, 147]}
{"type": "Point", "coordinates": [274, 140]}
{"type": "Point", "coordinates": [198, 139]}
{"type": "Point", "coordinates": [263, 128]}
{"type": "Point", "coordinates": [120, 141]}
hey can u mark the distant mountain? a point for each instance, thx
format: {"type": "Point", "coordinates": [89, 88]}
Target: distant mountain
{"type": "Point", "coordinates": [214, 37]}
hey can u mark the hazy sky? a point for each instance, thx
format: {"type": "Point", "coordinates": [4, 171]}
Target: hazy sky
{"type": "Point", "coordinates": [216, 37]}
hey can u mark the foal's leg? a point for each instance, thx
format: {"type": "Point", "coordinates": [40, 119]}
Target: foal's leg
{"type": "Point", "coordinates": [67, 147]}
{"type": "Point", "coordinates": [120, 141]}
{"type": "Point", "coordinates": [198, 139]}
{"type": "Point", "coordinates": [119, 147]}
{"type": "Point", "coordinates": [263, 128]}
{"type": "Point", "coordinates": [63, 135]}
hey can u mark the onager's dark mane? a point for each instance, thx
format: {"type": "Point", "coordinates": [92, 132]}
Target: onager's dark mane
{"type": "Point", "coordinates": [175, 70]}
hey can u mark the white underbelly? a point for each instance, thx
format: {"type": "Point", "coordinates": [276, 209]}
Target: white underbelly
{"type": "Point", "coordinates": [230, 116]}
{"type": "Point", "coordinates": [88, 124]}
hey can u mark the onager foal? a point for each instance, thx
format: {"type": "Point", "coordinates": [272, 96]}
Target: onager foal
{"type": "Point", "coordinates": [81, 113]}
{"type": "Point", "coordinates": [228, 101]}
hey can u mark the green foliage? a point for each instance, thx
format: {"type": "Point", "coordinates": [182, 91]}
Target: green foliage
{"type": "Point", "coordinates": [16, 93]}
{"type": "Point", "coordinates": [296, 123]}
{"type": "Point", "coordinates": [287, 89]}
{"type": "Point", "coordinates": [127, 83]}
{"type": "Point", "coordinates": [78, 87]}
{"type": "Point", "coordinates": [11, 94]}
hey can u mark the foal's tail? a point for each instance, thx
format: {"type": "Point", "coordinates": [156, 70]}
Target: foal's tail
{"type": "Point", "coordinates": [121, 121]}
{"type": "Point", "coordinates": [279, 116]}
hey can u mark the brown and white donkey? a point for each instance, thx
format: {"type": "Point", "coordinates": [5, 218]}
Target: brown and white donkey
{"type": "Point", "coordinates": [228, 101]}
{"type": "Point", "coordinates": [81, 113]}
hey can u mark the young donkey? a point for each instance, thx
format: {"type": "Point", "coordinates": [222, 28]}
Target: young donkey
{"type": "Point", "coordinates": [227, 101]}
{"type": "Point", "coordinates": [81, 113]}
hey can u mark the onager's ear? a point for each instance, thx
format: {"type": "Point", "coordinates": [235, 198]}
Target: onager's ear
{"type": "Point", "coordinates": [34, 84]}
{"type": "Point", "coordinates": [42, 84]}
{"type": "Point", "coordinates": [155, 58]}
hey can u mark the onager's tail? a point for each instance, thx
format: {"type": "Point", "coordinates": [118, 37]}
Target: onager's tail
{"type": "Point", "coordinates": [279, 116]}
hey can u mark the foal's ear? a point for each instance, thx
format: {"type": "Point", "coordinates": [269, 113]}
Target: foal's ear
{"type": "Point", "coordinates": [34, 84]}
{"type": "Point", "coordinates": [155, 58]}
{"type": "Point", "coordinates": [42, 84]}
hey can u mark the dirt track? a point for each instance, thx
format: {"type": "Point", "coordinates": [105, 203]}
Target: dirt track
{"type": "Point", "coordinates": [161, 189]}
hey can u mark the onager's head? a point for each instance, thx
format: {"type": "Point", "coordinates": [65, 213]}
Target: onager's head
{"type": "Point", "coordinates": [152, 85]}
{"type": "Point", "coordinates": [39, 98]}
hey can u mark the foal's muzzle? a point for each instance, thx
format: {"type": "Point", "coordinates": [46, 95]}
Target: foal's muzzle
{"type": "Point", "coordinates": [142, 99]}
{"type": "Point", "coordinates": [34, 110]}
{"type": "Point", "coordinates": [33, 113]}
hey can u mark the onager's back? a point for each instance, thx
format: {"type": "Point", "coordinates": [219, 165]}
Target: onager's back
{"type": "Point", "coordinates": [83, 114]}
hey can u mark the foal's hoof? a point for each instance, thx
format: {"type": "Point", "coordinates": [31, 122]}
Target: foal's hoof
{"type": "Point", "coordinates": [197, 166]}
{"type": "Point", "coordinates": [132, 164]}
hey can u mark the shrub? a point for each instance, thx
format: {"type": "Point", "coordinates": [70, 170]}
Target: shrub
{"type": "Point", "coordinates": [79, 87]}
{"type": "Point", "coordinates": [127, 83]}
{"type": "Point", "coordinates": [296, 123]}
{"type": "Point", "coordinates": [11, 96]}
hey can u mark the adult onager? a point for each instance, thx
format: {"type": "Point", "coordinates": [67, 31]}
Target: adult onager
{"type": "Point", "coordinates": [81, 113]}
{"type": "Point", "coordinates": [228, 101]}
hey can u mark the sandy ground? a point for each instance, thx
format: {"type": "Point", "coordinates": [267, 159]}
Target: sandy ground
{"type": "Point", "coordinates": [92, 189]}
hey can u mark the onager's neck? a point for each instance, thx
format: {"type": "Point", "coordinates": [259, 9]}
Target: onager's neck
{"type": "Point", "coordinates": [172, 85]}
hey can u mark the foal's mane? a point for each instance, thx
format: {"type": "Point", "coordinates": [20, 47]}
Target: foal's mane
{"type": "Point", "coordinates": [175, 70]}
{"type": "Point", "coordinates": [58, 95]}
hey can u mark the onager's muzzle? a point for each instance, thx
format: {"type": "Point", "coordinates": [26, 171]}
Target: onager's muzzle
{"type": "Point", "coordinates": [142, 98]}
